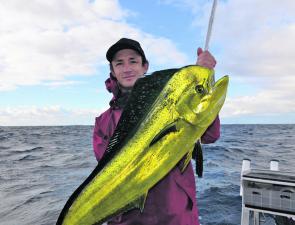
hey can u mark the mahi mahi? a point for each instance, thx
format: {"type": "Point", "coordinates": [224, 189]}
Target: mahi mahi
{"type": "Point", "coordinates": [167, 112]}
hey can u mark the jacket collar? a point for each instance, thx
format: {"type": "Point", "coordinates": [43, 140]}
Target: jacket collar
{"type": "Point", "coordinates": [119, 99]}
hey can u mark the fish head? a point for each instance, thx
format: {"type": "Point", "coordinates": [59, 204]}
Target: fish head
{"type": "Point", "coordinates": [202, 98]}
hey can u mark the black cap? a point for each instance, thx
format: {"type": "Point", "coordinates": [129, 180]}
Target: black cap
{"type": "Point", "coordinates": [124, 43]}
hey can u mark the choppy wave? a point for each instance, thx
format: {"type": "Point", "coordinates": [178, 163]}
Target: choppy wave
{"type": "Point", "coordinates": [41, 166]}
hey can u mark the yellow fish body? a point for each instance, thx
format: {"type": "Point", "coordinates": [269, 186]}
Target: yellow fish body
{"type": "Point", "coordinates": [166, 114]}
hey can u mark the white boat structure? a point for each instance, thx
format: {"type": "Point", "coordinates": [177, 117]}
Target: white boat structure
{"type": "Point", "coordinates": [266, 191]}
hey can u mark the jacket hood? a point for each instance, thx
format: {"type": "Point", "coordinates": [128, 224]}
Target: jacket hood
{"type": "Point", "coordinates": [112, 85]}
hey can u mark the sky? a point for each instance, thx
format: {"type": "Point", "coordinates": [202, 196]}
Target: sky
{"type": "Point", "coordinates": [53, 66]}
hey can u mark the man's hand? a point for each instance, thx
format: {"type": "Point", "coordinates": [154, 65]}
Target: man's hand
{"type": "Point", "coordinates": [205, 59]}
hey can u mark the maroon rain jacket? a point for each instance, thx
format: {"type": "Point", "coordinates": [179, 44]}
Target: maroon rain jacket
{"type": "Point", "coordinates": [172, 201]}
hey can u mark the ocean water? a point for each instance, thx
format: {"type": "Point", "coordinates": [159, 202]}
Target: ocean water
{"type": "Point", "coordinates": [40, 167]}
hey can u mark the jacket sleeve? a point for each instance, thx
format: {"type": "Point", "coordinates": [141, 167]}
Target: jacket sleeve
{"type": "Point", "coordinates": [99, 141]}
{"type": "Point", "coordinates": [212, 133]}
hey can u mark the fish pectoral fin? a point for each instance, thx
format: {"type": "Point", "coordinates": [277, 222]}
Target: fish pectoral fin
{"type": "Point", "coordinates": [140, 202]}
{"type": "Point", "coordinates": [167, 130]}
{"type": "Point", "coordinates": [186, 160]}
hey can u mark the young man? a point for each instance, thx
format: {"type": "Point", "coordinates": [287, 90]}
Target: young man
{"type": "Point", "coordinates": [172, 201]}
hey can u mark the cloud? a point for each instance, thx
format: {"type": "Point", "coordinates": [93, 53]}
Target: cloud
{"type": "Point", "coordinates": [45, 41]}
{"type": "Point", "coordinates": [256, 47]}
{"type": "Point", "coordinates": [265, 103]}
{"type": "Point", "coordinates": [256, 40]}
{"type": "Point", "coordinates": [47, 116]}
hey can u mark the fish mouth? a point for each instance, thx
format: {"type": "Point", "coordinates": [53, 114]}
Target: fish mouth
{"type": "Point", "coordinates": [218, 95]}
{"type": "Point", "coordinates": [220, 89]}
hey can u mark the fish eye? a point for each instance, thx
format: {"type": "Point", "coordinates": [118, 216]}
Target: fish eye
{"type": "Point", "coordinates": [200, 89]}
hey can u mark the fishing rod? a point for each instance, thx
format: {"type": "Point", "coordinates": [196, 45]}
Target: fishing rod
{"type": "Point", "coordinates": [198, 146]}
{"type": "Point", "coordinates": [210, 25]}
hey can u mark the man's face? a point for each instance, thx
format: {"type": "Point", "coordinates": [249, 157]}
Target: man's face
{"type": "Point", "coordinates": [127, 67]}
